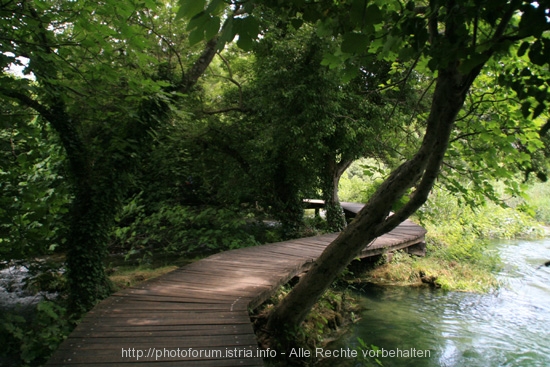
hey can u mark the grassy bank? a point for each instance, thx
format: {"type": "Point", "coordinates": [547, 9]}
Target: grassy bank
{"type": "Point", "coordinates": [329, 319]}
{"type": "Point", "coordinates": [460, 252]}
{"type": "Point", "coordinates": [128, 276]}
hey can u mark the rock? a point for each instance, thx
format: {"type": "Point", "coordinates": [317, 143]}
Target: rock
{"type": "Point", "coordinates": [429, 279]}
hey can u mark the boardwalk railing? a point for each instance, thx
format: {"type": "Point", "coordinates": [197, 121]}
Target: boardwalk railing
{"type": "Point", "coordinates": [198, 315]}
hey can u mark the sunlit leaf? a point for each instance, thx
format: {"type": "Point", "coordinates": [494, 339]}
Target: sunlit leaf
{"type": "Point", "coordinates": [189, 8]}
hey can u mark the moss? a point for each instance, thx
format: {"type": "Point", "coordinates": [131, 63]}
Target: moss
{"type": "Point", "coordinates": [473, 272]}
{"type": "Point", "coordinates": [328, 320]}
{"type": "Point", "coordinates": [128, 276]}
{"type": "Point", "coordinates": [432, 271]}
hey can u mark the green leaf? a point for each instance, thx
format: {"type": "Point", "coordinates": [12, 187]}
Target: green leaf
{"type": "Point", "coordinates": [331, 60]}
{"type": "Point", "coordinates": [325, 29]}
{"type": "Point", "coordinates": [391, 47]}
{"type": "Point", "coordinates": [407, 53]}
{"type": "Point", "coordinates": [536, 54]}
{"type": "Point", "coordinates": [311, 14]}
{"type": "Point", "coordinates": [212, 28]}
{"type": "Point", "coordinates": [526, 108]}
{"type": "Point", "coordinates": [355, 42]}
{"type": "Point", "coordinates": [215, 7]}
{"type": "Point", "coordinates": [245, 42]}
{"type": "Point", "coordinates": [358, 12]}
{"type": "Point", "coordinates": [189, 8]}
{"type": "Point", "coordinates": [349, 73]}
{"type": "Point", "coordinates": [249, 26]}
{"type": "Point", "coordinates": [473, 61]}
{"type": "Point", "coordinates": [373, 15]}
{"type": "Point", "coordinates": [523, 49]}
{"type": "Point", "coordinates": [247, 29]}
{"type": "Point", "coordinates": [539, 110]}
{"type": "Point", "coordinates": [227, 34]}
{"type": "Point", "coordinates": [533, 21]}
{"type": "Point", "coordinates": [196, 36]}
{"type": "Point", "coordinates": [198, 21]}
{"type": "Point", "coordinates": [297, 23]}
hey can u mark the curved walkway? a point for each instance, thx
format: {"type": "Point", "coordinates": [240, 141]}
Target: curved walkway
{"type": "Point", "coordinates": [198, 315]}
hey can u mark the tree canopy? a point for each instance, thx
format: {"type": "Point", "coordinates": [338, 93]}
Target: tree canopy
{"type": "Point", "coordinates": [455, 42]}
{"type": "Point", "coordinates": [257, 104]}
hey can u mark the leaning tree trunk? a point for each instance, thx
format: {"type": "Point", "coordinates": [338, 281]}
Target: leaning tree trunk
{"type": "Point", "coordinates": [373, 220]}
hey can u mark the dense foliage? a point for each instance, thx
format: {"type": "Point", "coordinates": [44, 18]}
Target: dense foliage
{"type": "Point", "coordinates": [139, 127]}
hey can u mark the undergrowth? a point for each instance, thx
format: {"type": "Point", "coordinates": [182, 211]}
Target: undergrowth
{"type": "Point", "coordinates": [29, 341]}
{"type": "Point", "coordinates": [460, 254]}
{"type": "Point", "coordinates": [327, 321]}
{"type": "Point", "coordinates": [179, 230]}
{"type": "Point", "coordinates": [459, 238]}
{"type": "Point", "coordinates": [127, 276]}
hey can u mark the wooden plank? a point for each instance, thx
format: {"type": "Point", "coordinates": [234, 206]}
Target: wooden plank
{"type": "Point", "coordinates": [204, 363]}
{"type": "Point", "coordinates": [248, 362]}
{"type": "Point", "coordinates": [145, 341]}
{"type": "Point", "coordinates": [114, 356]}
{"type": "Point", "coordinates": [209, 278]}
{"type": "Point", "coordinates": [203, 305]}
{"type": "Point", "coordinates": [198, 299]}
{"type": "Point", "coordinates": [199, 315]}
{"type": "Point", "coordinates": [154, 323]}
{"type": "Point", "coordinates": [189, 330]}
{"type": "Point", "coordinates": [187, 290]}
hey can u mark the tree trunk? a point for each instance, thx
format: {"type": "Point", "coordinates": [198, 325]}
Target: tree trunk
{"type": "Point", "coordinates": [198, 68]}
{"type": "Point", "coordinates": [92, 214]}
{"type": "Point", "coordinates": [373, 220]}
{"type": "Point", "coordinates": [92, 218]}
{"type": "Point", "coordinates": [288, 207]}
{"type": "Point", "coordinates": [332, 173]}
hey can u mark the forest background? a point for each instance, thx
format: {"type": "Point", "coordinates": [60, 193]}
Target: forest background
{"type": "Point", "coordinates": [154, 129]}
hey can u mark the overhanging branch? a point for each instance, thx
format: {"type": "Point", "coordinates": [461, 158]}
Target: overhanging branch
{"type": "Point", "coordinates": [27, 101]}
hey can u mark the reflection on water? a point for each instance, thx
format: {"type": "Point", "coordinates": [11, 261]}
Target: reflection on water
{"type": "Point", "coordinates": [510, 327]}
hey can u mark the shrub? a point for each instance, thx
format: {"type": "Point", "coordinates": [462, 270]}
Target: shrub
{"type": "Point", "coordinates": [539, 201]}
{"type": "Point", "coordinates": [181, 229]}
{"type": "Point", "coordinates": [30, 342]}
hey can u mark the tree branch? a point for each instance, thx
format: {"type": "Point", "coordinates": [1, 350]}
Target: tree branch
{"type": "Point", "coordinates": [168, 43]}
{"type": "Point", "coordinates": [449, 96]}
{"type": "Point", "coordinates": [232, 80]}
{"type": "Point", "coordinates": [402, 80]}
{"type": "Point", "coordinates": [198, 68]}
{"type": "Point", "coordinates": [28, 101]}
{"type": "Point", "coordinates": [413, 114]}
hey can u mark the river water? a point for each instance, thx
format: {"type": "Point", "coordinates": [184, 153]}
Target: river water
{"type": "Point", "coordinates": [509, 327]}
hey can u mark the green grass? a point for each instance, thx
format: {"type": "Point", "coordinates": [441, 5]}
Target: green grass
{"type": "Point", "coordinates": [539, 201]}
{"type": "Point", "coordinates": [127, 276]}
{"type": "Point", "coordinates": [459, 254]}
{"type": "Point", "coordinates": [448, 275]}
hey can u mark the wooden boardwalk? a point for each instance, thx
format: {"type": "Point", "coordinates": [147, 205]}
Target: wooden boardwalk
{"type": "Point", "coordinates": [198, 315]}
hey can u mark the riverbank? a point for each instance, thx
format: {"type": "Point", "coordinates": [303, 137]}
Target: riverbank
{"type": "Point", "coordinates": [505, 327]}
{"type": "Point", "coordinates": [329, 320]}
{"type": "Point", "coordinates": [434, 271]}
{"type": "Point", "coordinates": [461, 255]}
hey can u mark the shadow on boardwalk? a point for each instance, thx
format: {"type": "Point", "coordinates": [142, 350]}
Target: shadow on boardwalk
{"type": "Point", "coordinates": [198, 315]}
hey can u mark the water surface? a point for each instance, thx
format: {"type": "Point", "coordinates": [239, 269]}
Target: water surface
{"type": "Point", "coordinates": [509, 327]}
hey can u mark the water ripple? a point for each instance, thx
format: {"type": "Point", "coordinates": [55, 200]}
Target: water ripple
{"type": "Point", "coordinates": [508, 328]}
